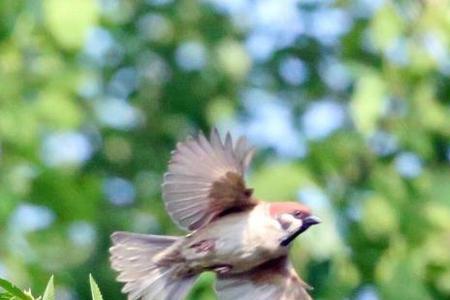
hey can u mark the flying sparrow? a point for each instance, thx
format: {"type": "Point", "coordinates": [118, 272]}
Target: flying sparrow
{"type": "Point", "coordinates": [244, 240]}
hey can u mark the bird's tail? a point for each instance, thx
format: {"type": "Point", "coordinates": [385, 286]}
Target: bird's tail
{"type": "Point", "coordinates": [135, 257]}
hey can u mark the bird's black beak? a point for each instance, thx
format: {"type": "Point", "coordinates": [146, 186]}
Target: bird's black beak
{"type": "Point", "coordinates": [307, 222]}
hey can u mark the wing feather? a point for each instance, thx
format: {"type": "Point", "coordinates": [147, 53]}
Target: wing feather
{"type": "Point", "coordinates": [209, 174]}
{"type": "Point", "coordinates": [274, 280]}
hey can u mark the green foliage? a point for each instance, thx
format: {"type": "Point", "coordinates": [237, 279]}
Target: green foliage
{"type": "Point", "coordinates": [95, 94]}
{"type": "Point", "coordinates": [14, 293]}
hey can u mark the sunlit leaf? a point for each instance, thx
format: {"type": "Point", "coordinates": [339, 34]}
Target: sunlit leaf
{"type": "Point", "coordinates": [13, 290]}
{"type": "Point", "coordinates": [69, 21]}
{"type": "Point", "coordinates": [386, 26]}
{"type": "Point", "coordinates": [279, 181]}
{"type": "Point", "coordinates": [95, 291]}
{"type": "Point", "coordinates": [49, 293]}
{"type": "Point", "coordinates": [367, 101]}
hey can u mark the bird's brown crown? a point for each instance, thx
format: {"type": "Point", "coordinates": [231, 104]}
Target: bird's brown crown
{"type": "Point", "coordinates": [293, 208]}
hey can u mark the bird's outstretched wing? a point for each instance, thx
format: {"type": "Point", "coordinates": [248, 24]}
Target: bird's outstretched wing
{"type": "Point", "coordinates": [274, 280]}
{"type": "Point", "coordinates": [205, 178]}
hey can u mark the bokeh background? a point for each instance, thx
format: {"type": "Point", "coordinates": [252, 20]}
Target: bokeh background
{"type": "Point", "coordinates": [347, 101]}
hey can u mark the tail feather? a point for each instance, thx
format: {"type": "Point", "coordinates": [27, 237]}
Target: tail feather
{"type": "Point", "coordinates": [134, 257]}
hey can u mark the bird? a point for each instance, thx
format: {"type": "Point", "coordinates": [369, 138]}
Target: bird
{"type": "Point", "coordinates": [245, 241]}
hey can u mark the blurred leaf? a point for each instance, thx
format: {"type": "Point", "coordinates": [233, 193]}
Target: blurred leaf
{"type": "Point", "coordinates": [69, 21]}
{"type": "Point", "coordinates": [386, 27]}
{"type": "Point", "coordinates": [367, 101]}
{"type": "Point", "coordinates": [379, 219]}
{"type": "Point", "coordinates": [220, 109]}
{"type": "Point", "coordinates": [233, 58]}
{"type": "Point", "coordinates": [58, 109]}
{"type": "Point", "coordinates": [429, 111]}
{"type": "Point", "coordinates": [397, 269]}
{"type": "Point", "coordinates": [279, 181]}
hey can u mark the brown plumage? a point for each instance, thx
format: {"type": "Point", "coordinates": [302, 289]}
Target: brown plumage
{"type": "Point", "coordinates": [244, 240]}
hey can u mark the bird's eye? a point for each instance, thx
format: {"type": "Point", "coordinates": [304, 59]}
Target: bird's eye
{"type": "Point", "coordinates": [298, 214]}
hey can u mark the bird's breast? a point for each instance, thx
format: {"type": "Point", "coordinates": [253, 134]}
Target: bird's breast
{"type": "Point", "coordinates": [242, 240]}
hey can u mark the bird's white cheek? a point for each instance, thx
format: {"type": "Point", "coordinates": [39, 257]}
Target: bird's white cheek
{"type": "Point", "coordinates": [289, 223]}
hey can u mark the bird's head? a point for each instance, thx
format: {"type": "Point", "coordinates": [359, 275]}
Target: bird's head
{"type": "Point", "coordinates": [294, 218]}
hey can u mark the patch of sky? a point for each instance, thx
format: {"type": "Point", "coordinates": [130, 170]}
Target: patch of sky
{"type": "Point", "coordinates": [65, 148]}
{"type": "Point", "coordinates": [30, 217]}
{"type": "Point", "coordinates": [123, 83]}
{"type": "Point", "coordinates": [101, 47]}
{"type": "Point", "coordinates": [260, 46]}
{"type": "Point", "coordinates": [408, 164]}
{"type": "Point", "coordinates": [82, 233]}
{"type": "Point", "coordinates": [321, 118]}
{"type": "Point", "coordinates": [117, 113]}
{"type": "Point", "coordinates": [367, 292]}
{"type": "Point", "coordinates": [366, 8]}
{"type": "Point", "coordinates": [335, 74]}
{"type": "Point", "coordinates": [383, 143]}
{"type": "Point", "coordinates": [448, 153]}
{"type": "Point", "coordinates": [398, 53]}
{"type": "Point", "coordinates": [191, 56]}
{"type": "Point", "coordinates": [108, 5]}
{"type": "Point", "coordinates": [271, 124]}
{"type": "Point", "coordinates": [119, 191]}
{"type": "Point", "coordinates": [327, 25]}
{"type": "Point", "coordinates": [280, 19]}
{"type": "Point", "coordinates": [314, 198]}
{"type": "Point", "coordinates": [273, 25]}
{"type": "Point", "coordinates": [293, 71]}
{"type": "Point", "coordinates": [437, 50]}
{"type": "Point", "coordinates": [3, 271]}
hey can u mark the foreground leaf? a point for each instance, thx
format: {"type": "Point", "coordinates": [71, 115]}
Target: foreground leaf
{"type": "Point", "coordinates": [96, 294]}
{"type": "Point", "coordinates": [13, 290]}
{"type": "Point", "coordinates": [49, 293]}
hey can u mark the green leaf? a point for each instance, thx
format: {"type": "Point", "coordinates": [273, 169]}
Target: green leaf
{"type": "Point", "coordinates": [367, 101]}
{"type": "Point", "coordinates": [386, 27]}
{"type": "Point", "coordinates": [13, 290]}
{"type": "Point", "coordinates": [96, 294]}
{"type": "Point", "coordinates": [61, 15]}
{"type": "Point", "coordinates": [5, 296]}
{"type": "Point", "coordinates": [49, 293]}
{"type": "Point", "coordinates": [280, 181]}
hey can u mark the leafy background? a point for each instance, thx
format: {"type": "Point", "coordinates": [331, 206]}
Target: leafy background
{"type": "Point", "coordinates": [348, 102]}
